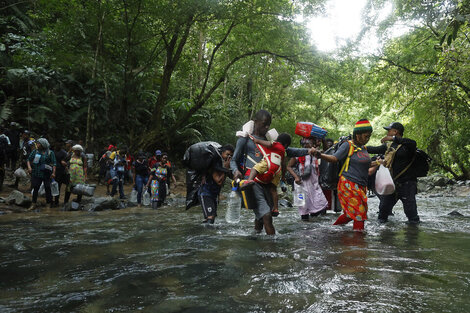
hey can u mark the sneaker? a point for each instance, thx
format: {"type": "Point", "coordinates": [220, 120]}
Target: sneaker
{"type": "Point", "coordinates": [246, 183]}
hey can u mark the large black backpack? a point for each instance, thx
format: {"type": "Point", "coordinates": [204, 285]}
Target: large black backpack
{"type": "Point", "coordinates": [419, 164]}
{"type": "Point", "coordinates": [200, 156]}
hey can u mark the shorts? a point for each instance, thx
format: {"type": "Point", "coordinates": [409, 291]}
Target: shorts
{"type": "Point", "coordinates": [264, 200]}
{"type": "Point", "coordinates": [209, 206]}
{"type": "Point", "coordinates": [262, 167]}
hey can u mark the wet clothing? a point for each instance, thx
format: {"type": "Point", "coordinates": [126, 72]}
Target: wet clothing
{"type": "Point", "coordinates": [245, 156]}
{"type": "Point", "coordinates": [358, 169]}
{"type": "Point", "coordinates": [208, 196]}
{"type": "Point", "coordinates": [315, 200]}
{"type": "Point", "coordinates": [405, 184]}
{"type": "Point", "coordinates": [353, 199]}
{"type": "Point", "coordinates": [352, 184]}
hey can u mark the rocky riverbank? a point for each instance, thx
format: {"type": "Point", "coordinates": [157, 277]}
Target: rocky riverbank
{"type": "Point", "coordinates": [438, 185]}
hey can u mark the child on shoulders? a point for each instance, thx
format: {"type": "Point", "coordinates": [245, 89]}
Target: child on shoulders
{"type": "Point", "coordinates": [270, 169]}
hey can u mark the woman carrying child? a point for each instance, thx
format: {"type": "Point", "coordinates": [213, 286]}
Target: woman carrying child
{"type": "Point", "coordinates": [315, 201]}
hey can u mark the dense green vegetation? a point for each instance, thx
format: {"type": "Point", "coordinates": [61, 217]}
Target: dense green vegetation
{"type": "Point", "coordinates": [158, 73]}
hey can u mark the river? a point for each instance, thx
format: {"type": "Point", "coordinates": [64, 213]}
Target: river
{"type": "Point", "coordinates": [140, 260]}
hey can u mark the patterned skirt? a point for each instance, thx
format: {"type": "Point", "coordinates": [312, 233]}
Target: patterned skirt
{"type": "Point", "coordinates": [353, 199]}
{"type": "Point", "coordinates": [154, 188]}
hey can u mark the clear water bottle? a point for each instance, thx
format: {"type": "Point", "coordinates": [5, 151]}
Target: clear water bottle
{"type": "Point", "coordinates": [232, 215]}
{"type": "Point", "coordinates": [299, 195]}
{"type": "Point", "coordinates": [133, 197]}
{"type": "Point", "coordinates": [54, 188]}
{"type": "Point", "coordinates": [146, 198]}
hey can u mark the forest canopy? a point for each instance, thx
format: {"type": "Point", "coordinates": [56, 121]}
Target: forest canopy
{"type": "Point", "coordinates": [165, 74]}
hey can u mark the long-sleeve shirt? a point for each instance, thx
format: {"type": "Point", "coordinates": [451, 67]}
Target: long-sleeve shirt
{"type": "Point", "coordinates": [246, 146]}
{"type": "Point", "coordinates": [402, 159]}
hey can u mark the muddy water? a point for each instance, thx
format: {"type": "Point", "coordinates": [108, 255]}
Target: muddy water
{"type": "Point", "coordinates": [167, 261]}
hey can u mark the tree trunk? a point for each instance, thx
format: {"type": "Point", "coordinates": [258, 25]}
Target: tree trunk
{"type": "Point", "coordinates": [90, 117]}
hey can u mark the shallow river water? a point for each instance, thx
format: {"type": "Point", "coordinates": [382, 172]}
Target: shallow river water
{"type": "Point", "coordinates": [167, 261]}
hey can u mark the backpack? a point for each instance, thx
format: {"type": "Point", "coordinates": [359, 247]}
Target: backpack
{"type": "Point", "coordinates": [201, 156]}
{"type": "Point", "coordinates": [419, 164]}
{"type": "Point", "coordinates": [330, 172]}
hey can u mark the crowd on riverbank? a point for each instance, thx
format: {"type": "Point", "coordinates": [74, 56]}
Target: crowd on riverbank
{"type": "Point", "coordinates": [64, 163]}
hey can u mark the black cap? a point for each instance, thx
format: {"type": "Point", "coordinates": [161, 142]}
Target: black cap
{"type": "Point", "coordinates": [397, 126]}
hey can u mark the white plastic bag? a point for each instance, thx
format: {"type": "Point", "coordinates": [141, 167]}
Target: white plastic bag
{"type": "Point", "coordinates": [54, 188]}
{"type": "Point", "coordinates": [20, 172]}
{"type": "Point", "coordinates": [383, 181]}
{"type": "Point", "coordinates": [41, 191]}
{"type": "Point", "coordinates": [272, 134]}
{"type": "Point", "coordinates": [247, 129]}
{"type": "Point", "coordinates": [146, 198]}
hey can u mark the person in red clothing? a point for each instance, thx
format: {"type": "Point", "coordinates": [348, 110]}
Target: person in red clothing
{"type": "Point", "coordinates": [270, 169]}
{"type": "Point", "coordinates": [155, 159]}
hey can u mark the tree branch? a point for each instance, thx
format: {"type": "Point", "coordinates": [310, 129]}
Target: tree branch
{"type": "Point", "coordinates": [423, 72]}
{"type": "Point", "coordinates": [211, 62]}
{"type": "Point", "coordinates": [201, 101]}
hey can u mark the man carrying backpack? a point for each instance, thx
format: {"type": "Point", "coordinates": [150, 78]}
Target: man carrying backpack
{"type": "Point", "coordinates": [399, 154]}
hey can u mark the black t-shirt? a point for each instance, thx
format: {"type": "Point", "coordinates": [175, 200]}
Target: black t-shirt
{"type": "Point", "coordinates": [141, 169]}
{"type": "Point", "coordinates": [60, 156]}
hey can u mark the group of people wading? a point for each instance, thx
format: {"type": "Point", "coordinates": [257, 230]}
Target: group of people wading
{"type": "Point", "coordinates": [250, 165]}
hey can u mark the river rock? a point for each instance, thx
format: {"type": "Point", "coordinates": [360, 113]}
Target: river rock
{"type": "Point", "coordinates": [71, 206]}
{"type": "Point", "coordinates": [18, 198]}
{"type": "Point", "coordinates": [439, 180]}
{"type": "Point", "coordinates": [104, 203]}
{"type": "Point", "coordinates": [455, 213]}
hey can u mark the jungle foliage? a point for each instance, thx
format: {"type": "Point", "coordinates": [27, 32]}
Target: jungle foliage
{"type": "Point", "coordinates": [158, 73]}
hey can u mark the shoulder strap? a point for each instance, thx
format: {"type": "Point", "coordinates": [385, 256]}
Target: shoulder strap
{"type": "Point", "coordinates": [345, 166]}
{"type": "Point", "coordinates": [406, 168]}
{"type": "Point", "coordinates": [391, 151]}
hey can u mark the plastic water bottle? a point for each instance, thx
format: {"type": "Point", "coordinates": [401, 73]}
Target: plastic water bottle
{"type": "Point", "coordinates": [54, 188]}
{"type": "Point", "coordinates": [299, 195]}
{"type": "Point", "coordinates": [133, 197]}
{"type": "Point", "coordinates": [232, 215]}
{"type": "Point", "coordinates": [146, 198]}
